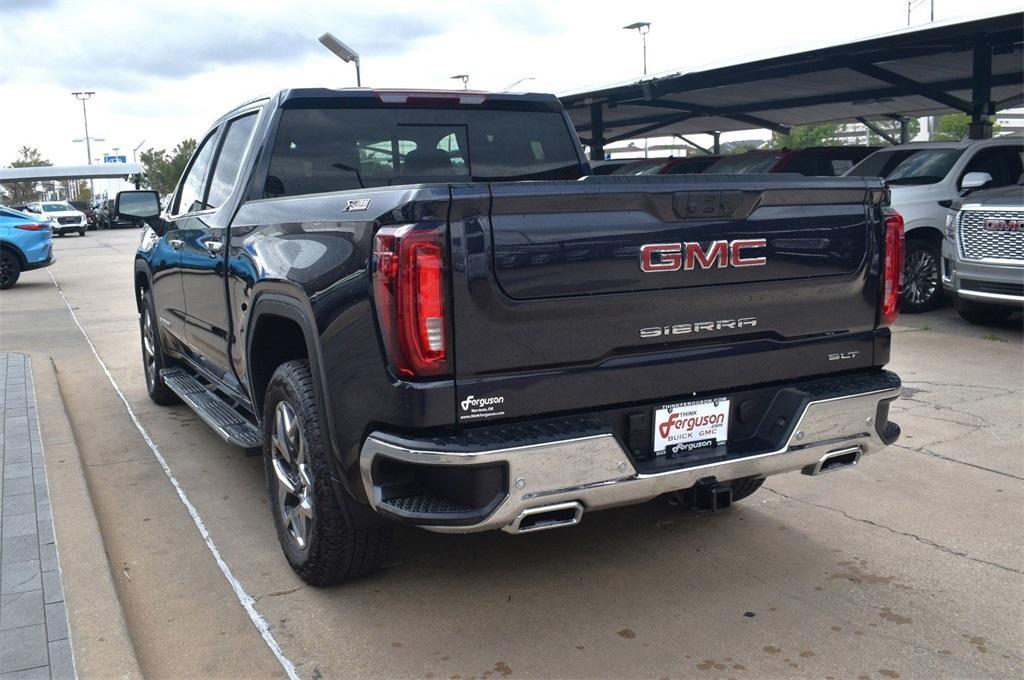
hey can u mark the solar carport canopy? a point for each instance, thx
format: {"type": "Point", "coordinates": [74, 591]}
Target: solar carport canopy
{"type": "Point", "coordinates": [975, 67]}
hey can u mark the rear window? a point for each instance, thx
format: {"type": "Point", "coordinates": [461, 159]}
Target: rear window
{"type": "Point", "coordinates": [321, 150]}
{"type": "Point", "coordinates": [743, 164]}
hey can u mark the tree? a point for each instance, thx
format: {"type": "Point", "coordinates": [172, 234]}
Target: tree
{"type": "Point", "coordinates": [84, 192]}
{"type": "Point", "coordinates": [23, 192]}
{"type": "Point", "coordinates": [162, 170]}
{"type": "Point", "coordinates": [892, 128]}
{"type": "Point", "coordinates": [803, 136]}
{"type": "Point", "coordinates": [954, 127]}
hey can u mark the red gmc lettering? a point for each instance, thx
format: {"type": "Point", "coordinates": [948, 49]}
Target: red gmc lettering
{"type": "Point", "coordinates": [670, 257]}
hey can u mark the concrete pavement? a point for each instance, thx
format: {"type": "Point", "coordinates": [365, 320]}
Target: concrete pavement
{"type": "Point", "coordinates": [909, 565]}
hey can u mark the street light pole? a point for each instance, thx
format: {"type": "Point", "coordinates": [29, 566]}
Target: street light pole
{"type": "Point", "coordinates": [135, 158]}
{"type": "Point", "coordinates": [84, 97]}
{"type": "Point", "coordinates": [464, 77]}
{"type": "Point", "coordinates": [643, 28]}
{"type": "Point", "coordinates": [521, 80]}
{"type": "Point", "coordinates": [344, 52]}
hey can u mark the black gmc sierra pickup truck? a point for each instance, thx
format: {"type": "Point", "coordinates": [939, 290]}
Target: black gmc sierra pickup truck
{"type": "Point", "coordinates": [424, 310]}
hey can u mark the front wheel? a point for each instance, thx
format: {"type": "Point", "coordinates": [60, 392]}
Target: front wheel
{"type": "Point", "coordinates": [922, 289]}
{"type": "Point", "coordinates": [982, 313]}
{"type": "Point", "coordinates": [81, 232]}
{"type": "Point", "coordinates": [317, 540]}
{"type": "Point", "coordinates": [153, 360]}
{"type": "Point", "coordinates": [10, 269]}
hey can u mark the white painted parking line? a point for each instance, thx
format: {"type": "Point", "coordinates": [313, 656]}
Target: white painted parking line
{"type": "Point", "coordinates": [244, 598]}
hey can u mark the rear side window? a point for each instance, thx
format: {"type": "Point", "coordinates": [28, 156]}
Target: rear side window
{"type": "Point", "coordinates": [321, 150]}
{"type": "Point", "coordinates": [190, 198]}
{"type": "Point", "coordinates": [229, 160]}
{"type": "Point", "coordinates": [1002, 162]}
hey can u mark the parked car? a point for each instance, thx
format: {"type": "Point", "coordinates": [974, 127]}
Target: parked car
{"type": "Point", "coordinates": [816, 161]}
{"type": "Point", "coordinates": [688, 165]}
{"type": "Point", "coordinates": [925, 178]}
{"type": "Point", "coordinates": [411, 333]}
{"type": "Point", "coordinates": [983, 252]}
{"type": "Point", "coordinates": [61, 216]}
{"type": "Point", "coordinates": [25, 244]}
{"type": "Point", "coordinates": [90, 214]}
{"type": "Point", "coordinates": [107, 218]}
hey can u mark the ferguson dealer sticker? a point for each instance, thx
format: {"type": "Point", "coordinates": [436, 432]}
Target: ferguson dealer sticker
{"type": "Point", "coordinates": [681, 428]}
{"type": "Point", "coordinates": [473, 407]}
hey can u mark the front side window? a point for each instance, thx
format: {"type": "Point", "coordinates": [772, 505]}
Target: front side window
{"type": "Point", "coordinates": [190, 198]}
{"type": "Point", "coordinates": [229, 161]}
{"type": "Point", "coordinates": [320, 150]}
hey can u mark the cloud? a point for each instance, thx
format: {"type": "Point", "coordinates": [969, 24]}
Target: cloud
{"type": "Point", "coordinates": [23, 6]}
{"type": "Point", "coordinates": [146, 46]}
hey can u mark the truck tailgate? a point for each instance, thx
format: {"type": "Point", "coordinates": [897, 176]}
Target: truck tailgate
{"type": "Point", "coordinates": [559, 306]}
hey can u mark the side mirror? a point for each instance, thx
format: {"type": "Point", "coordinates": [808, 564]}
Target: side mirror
{"type": "Point", "coordinates": [137, 205]}
{"type": "Point", "coordinates": [975, 180]}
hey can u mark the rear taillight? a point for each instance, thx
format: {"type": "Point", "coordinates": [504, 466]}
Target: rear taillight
{"type": "Point", "coordinates": [408, 285]}
{"type": "Point", "coordinates": [892, 270]}
{"type": "Point", "coordinates": [32, 227]}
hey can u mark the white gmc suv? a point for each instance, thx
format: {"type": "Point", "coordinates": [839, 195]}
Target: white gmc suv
{"type": "Point", "coordinates": [925, 178]}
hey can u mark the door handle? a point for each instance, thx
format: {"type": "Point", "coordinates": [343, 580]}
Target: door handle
{"type": "Point", "coordinates": [213, 247]}
{"type": "Point", "coordinates": [175, 243]}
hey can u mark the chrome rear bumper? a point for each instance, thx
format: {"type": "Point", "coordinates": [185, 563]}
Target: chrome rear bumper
{"type": "Point", "coordinates": [595, 472]}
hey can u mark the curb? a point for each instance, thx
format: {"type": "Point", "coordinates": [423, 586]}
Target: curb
{"type": "Point", "coordinates": [99, 635]}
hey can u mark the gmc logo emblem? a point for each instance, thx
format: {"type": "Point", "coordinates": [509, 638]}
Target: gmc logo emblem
{"type": "Point", "coordinates": [993, 224]}
{"type": "Point", "coordinates": [671, 257]}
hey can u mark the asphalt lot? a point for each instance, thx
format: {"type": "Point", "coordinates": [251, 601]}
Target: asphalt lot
{"type": "Point", "coordinates": [910, 565]}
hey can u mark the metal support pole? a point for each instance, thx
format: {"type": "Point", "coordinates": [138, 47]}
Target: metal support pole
{"type": "Point", "coordinates": [596, 132]}
{"type": "Point", "coordinates": [644, 36]}
{"type": "Point", "coordinates": [904, 130]}
{"type": "Point", "coordinates": [717, 147]}
{"type": "Point", "coordinates": [359, 77]}
{"type": "Point", "coordinates": [981, 92]}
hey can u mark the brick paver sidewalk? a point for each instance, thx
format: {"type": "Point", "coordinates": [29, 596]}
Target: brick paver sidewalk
{"type": "Point", "coordinates": [33, 623]}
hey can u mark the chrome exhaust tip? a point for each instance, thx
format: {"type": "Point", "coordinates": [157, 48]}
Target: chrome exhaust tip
{"type": "Point", "coordinates": [547, 517]}
{"type": "Point", "coordinates": [835, 460]}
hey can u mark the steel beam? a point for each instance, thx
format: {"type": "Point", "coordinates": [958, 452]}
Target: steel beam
{"type": "Point", "coordinates": [877, 130]}
{"type": "Point", "coordinates": [981, 92]}
{"type": "Point", "coordinates": [925, 90]}
{"type": "Point", "coordinates": [596, 132]}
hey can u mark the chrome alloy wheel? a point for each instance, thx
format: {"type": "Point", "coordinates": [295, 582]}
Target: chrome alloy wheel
{"type": "Point", "coordinates": [291, 467]}
{"type": "Point", "coordinates": [922, 277]}
{"type": "Point", "coordinates": [149, 347]}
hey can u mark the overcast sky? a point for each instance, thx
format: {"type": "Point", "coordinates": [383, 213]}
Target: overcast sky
{"type": "Point", "coordinates": [164, 71]}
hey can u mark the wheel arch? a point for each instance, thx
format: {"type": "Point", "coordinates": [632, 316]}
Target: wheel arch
{"type": "Point", "coordinates": [15, 250]}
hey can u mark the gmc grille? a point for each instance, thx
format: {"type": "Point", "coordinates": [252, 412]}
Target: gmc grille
{"type": "Point", "coordinates": [68, 220]}
{"type": "Point", "coordinates": [976, 243]}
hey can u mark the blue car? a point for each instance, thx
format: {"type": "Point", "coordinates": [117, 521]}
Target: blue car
{"type": "Point", "coordinates": [25, 243]}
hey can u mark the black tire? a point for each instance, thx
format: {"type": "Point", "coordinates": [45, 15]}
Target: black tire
{"type": "Point", "coordinates": [922, 278]}
{"type": "Point", "coordinates": [10, 269]}
{"type": "Point", "coordinates": [329, 550]}
{"type": "Point", "coordinates": [745, 486]}
{"type": "Point", "coordinates": [981, 313]}
{"type": "Point", "coordinates": [81, 232]}
{"type": "Point", "coordinates": [153, 358]}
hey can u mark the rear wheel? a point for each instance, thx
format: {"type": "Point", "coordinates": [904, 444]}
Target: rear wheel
{"type": "Point", "coordinates": [982, 313]}
{"type": "Point", "coordinates": [10, 269]}
{"type": "Point", "coordinates": [922, 288]}
{"type": "Point", "coordinates": [153, 359]}
{"type": "Point", "coordinates": [81, 232]}
{"type": "Point", "coordinates": [317, 540]}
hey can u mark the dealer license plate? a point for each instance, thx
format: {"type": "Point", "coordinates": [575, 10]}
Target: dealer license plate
{"type": "Point", "coordinates": [691, 426]}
